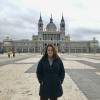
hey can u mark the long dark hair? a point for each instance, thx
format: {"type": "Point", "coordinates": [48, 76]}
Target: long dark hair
{"type": "Point", "coordinates": [45, 54]}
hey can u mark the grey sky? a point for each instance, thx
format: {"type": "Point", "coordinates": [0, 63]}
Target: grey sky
{"type": "Point", "coordinates": [19, 18]}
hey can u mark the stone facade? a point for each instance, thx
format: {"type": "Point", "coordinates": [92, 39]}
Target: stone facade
{"type": "Point", "coordinates": [51, 35]}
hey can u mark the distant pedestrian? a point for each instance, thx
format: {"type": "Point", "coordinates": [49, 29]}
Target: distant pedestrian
{"type": "Point", "coordinates": [8, 54]}
{"type": "Point", "coordinates": [13, 54]}
{"type": "Point", "coordinates": [50, 73]}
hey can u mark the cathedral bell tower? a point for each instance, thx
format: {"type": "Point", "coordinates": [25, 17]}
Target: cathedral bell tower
{"type": "Point", "coordinates": [40, 24]}
{"type": "Point", "coordinates": [62, 25]}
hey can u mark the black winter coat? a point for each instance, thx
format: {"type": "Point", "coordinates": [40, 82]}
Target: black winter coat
{"type": "Point", "coordinates": [50, 77]}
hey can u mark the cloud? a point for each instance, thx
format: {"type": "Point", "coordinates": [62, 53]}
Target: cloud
{"type": "Point", "coordinates": [84, 34]}
{"type": "Point", "coordinates": [16, 23]}
{"type": "Point", "coordinates": [19, 18]}
{"type": "Point", "coordinates": [87, 31]}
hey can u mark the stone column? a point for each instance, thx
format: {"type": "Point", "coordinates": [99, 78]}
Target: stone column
{"type": "Point", "coordinates": [44, 36]}
{"type": "Point", "coordinates": [28, 49]}
{"type": "Point", "coordinates": [22, 50]}
{"type": "Point", "coordinates": [47, 36]}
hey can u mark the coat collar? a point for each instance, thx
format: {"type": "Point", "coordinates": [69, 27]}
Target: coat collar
{"type": "Point", "coordinates": [46, 58]}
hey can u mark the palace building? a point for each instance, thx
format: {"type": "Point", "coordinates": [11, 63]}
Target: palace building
{"type": "Point", "coordinates": [51, 35]}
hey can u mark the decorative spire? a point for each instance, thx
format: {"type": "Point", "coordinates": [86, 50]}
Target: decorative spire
{"type": "Point", "coordinates": [62, 17]}
{"type": "Point", "coordinates": [51, 20]}
{"type": "Point", "coordinates": [40, 17]}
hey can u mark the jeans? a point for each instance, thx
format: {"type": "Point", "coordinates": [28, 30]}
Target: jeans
{"type": "Point", "coordinates": [45, 98]}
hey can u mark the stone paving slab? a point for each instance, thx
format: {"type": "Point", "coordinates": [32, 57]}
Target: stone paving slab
{"type": "Point", "coordinates": [25, 86]}
{"type": "Point", "coordinates": [17, 58]}
{"type": "Point", "coordinates": [72, 57]}
{"type": "Point", "coordinates": [18, 80]}
{"type": "Point", "coordinates": [91, 56]}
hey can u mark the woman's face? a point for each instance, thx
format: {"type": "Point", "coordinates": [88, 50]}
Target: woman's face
{"type": "Point", "coordinates": [50, 51]}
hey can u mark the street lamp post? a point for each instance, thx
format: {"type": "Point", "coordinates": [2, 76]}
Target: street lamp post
{"type": "Point", "coordinates": [69, 47]}
{"type": "Point", "coordinates": [94, 48]}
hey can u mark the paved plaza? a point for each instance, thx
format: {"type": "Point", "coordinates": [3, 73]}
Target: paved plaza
{"type": "Point", "coordinates": [18, 77]}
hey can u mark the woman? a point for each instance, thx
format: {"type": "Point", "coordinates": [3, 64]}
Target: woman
{"type": "Point", "coordinates": [50, 73]}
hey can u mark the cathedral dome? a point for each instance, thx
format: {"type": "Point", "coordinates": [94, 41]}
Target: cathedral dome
{"type": "Point", "coordinates": [51, 26]}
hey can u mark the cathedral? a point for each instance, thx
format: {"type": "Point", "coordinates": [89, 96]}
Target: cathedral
{"type": "Point", "coordinates": [51, 35]}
